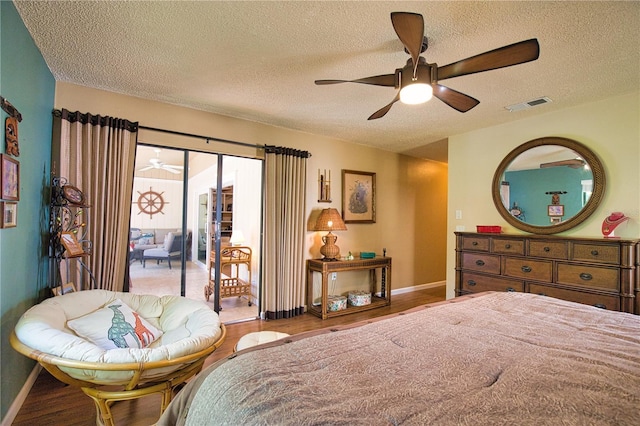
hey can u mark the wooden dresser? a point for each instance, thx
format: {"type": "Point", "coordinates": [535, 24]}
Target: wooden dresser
{"type": "Point", "coordinates": [594, 271]}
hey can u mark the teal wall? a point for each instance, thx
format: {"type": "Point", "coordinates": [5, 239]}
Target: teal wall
{"type": "Point", "coordinates": [26, 82]}
{"type": "Point", "coordinates": [528, 188]}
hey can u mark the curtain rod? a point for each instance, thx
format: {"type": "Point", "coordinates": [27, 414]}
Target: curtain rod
{"type": "Point", "coordinates": [269, 148]}
{"type": "Point", "coordinates": [206, 138]}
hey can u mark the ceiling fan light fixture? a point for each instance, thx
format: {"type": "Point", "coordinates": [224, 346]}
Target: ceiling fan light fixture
{"type": "Point", "coordinates": [416, 93]}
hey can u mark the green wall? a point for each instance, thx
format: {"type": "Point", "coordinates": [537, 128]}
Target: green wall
{"type": "Point", "coordinates": [26, 82]}
{"type": "Point", "coordinates": [529, 189]}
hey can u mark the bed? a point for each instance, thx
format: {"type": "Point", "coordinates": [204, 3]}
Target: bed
{"type": "Point", "coordinates": [489, 358]}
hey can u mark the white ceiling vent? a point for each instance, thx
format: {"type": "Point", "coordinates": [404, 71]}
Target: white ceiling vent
{"type": "Point", "coordinates": [528, 104]}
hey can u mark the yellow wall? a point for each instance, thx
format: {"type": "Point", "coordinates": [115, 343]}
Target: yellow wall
{"type": "Point", "coordinates": [611, 128]}
{"type": "Point", "coordinates": [411, 193]}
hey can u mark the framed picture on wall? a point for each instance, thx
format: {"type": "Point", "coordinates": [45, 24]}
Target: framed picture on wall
{"type": "Point", "coordinates": [555, 210]}
{"type": "Point", "coordinates": [9, 178]}
{"type": "Point", "coordinates": [9, 216]}
{"type": "Point", "coordinates": [358, 197]}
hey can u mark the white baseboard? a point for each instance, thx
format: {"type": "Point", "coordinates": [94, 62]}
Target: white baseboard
{"type": "Point", "coordinates": [12, 413]}
{"type": "Point", "coordinates": [418, 287]}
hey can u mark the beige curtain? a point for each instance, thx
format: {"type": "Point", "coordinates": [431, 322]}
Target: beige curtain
{"type": "Point", "coordinates": [283, 268]}
{"type": "Point", "coordinates": [96, 154]}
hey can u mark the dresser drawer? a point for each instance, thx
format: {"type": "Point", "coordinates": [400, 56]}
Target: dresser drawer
{"type": "Point", "coordinates": [481, 262]}
{"type": "Point", "coordinates": [501, 245]}
{"type": "Point", "coordinates": [477, 283]}
{"type": "Point", "coordinates": [589, 276]}
{"type": "Point", "coordinates": [550, 249]}
{"type": "Point", "coordinates": [528, 269]}
{"type": "Point", "coordinates": [600, 253]}
{"type": "Point", "coordinates": [475, 243]}
{"type": "Point", "coordinates": [611, 303]}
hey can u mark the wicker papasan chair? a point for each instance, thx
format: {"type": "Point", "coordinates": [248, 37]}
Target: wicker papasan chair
{"type": "Point", "coordinates": [119, 346]}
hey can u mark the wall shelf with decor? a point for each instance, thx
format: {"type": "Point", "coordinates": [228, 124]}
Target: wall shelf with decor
{"type": "Point", "coordinates": [226, 221]}
{"type": "Point", "coordinates": [69, 246]}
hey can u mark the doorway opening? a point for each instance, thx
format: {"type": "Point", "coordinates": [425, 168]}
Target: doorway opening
{"type": "Point", "coordinates": [175, 227]}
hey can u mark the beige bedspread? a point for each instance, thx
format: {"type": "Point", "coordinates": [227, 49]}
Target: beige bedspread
{"type": "Point", "coordinates": [496, 358]}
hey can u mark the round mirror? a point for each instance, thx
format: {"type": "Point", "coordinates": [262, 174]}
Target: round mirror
{"type": "Point", "coordinates": [548, 185]}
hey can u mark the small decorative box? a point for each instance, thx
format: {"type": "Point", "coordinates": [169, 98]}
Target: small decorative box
{"type": "Point", "coordinates": [367, 255]}
{"type": "Point", "coordinates": [359, 298]}
{"type": "Point", "coordinates": [336, 303]}
{"type": "Point", "coordinates": [489, 229]}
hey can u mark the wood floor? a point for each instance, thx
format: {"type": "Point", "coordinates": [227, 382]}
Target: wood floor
{"type": "Point", "coordinates": [53, 403]}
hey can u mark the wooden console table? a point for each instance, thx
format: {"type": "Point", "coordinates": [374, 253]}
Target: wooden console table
{"type": "Point", "coordinates": [325, 268]}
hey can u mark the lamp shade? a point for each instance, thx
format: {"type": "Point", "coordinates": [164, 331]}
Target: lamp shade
{"type": "Point", "coordinates": [237, 237]}
{"type": "Point", "coordinates": [330, 220]}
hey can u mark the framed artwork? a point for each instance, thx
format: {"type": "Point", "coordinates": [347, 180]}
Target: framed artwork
{"type": "Point", "coordinates": [9, 217]}
{"type": "Point", "coordinates": [71, 244]}
{"type": "Point", "coordinates": [9, 178]}
{"type": "Point", "coordinates": [358, 197]}
{"type": "Point", "coordinates": [555, 210]}
{"type": "Point", "coordinates": [64, 289]}
{"type": "Point", "coordinates": [73, 194]}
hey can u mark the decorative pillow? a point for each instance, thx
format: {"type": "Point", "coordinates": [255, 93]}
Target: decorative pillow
{"type": "Point", "coordinates": [168, 240]}
{"type": "Point", "coordinates": [115, 326]}
{"type": "Point", "coordinates": [145, 241]}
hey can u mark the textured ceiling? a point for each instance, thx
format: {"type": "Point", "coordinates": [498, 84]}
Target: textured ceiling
{"type": "Point", "coordinates": [259, 60]}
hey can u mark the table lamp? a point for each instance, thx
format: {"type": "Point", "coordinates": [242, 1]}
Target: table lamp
{"type": "Point", "coordinates": [237, 238]}
{"type": "Point", "coordinates": [330, 220]}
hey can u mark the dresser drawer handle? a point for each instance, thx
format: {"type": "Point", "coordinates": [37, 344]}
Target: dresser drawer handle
{"type": "Point", "coordinates": [511, 289]}
{"type": "Point", "coordinates": [507, 246]}
{"type": "Point", "coordinates": [547, 249]}
{"type": "Point", "coordinates": [471, 283]}
{"type": "Point", "coordinates": [526, 269]}
{"type": "Point", "coordinates": [586, 277]}
{"type": "Point", "coordinates": [475, 243]}
{"type": "Point", "coordinates": [600, 305]}
{"type": "Point", "coordinates": [480, 262]}
{"type": "Point", "coordinates": [594, 252]}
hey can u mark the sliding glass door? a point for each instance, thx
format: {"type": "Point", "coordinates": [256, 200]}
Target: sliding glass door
{"type": "Point", "coordinates": [187, 206]}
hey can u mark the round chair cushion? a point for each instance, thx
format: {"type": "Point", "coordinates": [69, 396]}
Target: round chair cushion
{"type": "Point", "coordinates": [188, 326]}
{"type": "Point", "coordinates": [258, 338]}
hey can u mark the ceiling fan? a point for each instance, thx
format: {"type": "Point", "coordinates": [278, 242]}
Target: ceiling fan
{"type": "Point", "coordinates": [573, 163]}
{"type": "Point", "coordinates": [418, 80]}
{"type": "Point", "coordinates": [157, 164]}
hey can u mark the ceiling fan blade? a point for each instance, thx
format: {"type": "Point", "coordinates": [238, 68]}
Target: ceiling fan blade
{"type": "Point", "coordinates": [506, 56]}
{"type": "Point", "coordinates": [574, 163]}
{"type": "Point", "coordinates": [144, 169]}
{"type": "Point", "coordinates": [410, 30]}
{"type": "Point", "coordinates": [170, 170]}
{"type": "Point", "coordinates": [382, 111]}
{"type": "Point", "coordinates": [453, 98]}
{"type": "Point", "coordinates": [174, 167]}
{"type": "Point", "coordinates": [388, 80]}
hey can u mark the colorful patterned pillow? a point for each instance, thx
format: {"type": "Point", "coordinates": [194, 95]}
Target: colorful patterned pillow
{"type": "Point", "coordinates": [115, 326]}
{"type": "Point", "coordinates": [145, 241]}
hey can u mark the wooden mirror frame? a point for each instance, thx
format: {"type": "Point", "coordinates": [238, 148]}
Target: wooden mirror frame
{"type": "Point", "coordinates": [598, 185]}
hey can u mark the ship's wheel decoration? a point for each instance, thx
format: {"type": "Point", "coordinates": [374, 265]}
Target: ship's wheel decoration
{"type": "Point", "coordinates": [151, 202]}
